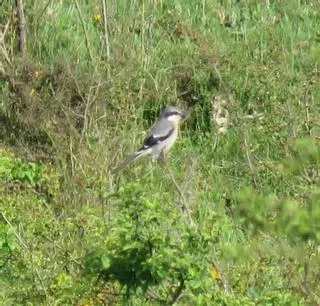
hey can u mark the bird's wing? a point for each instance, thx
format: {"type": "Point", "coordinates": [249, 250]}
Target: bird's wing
{"type": "Point", "coordinates": [160, 132]}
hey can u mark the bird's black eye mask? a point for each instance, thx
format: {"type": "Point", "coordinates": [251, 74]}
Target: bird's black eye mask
{"type": "Point", "coordinates": [174, 113]}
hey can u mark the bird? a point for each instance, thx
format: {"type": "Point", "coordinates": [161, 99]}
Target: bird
{"type": "Point", "coordinates": [160, 139]}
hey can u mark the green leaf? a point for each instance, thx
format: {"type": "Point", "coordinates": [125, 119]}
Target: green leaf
{"type": "Point", "coordinates": [106, 262]}
{"type": "Point", "coordinates": [12, 240]}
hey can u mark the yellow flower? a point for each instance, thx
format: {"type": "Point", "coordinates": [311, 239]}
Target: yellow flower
{"type": "Point", "coordinates": [37, 73]}
{"type": "Point", "coordinates": [215, 273]}
{"type": "Point", "coordinates": [97, 18]}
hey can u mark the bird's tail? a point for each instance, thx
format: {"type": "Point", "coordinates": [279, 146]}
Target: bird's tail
{"type": "Point", "coordinates": [130, 159]}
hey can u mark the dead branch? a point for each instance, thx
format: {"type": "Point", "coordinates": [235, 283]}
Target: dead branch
{"type": "Point", "coordinates": [177, 293]}
{"type": "Point", "coordinates": [4, 32]}
{"type": "Point", "coordinates": [219, 277]}
{"type": "Point", "coordinates": [184, 204]}
{"type": "Point", "coordinates": [15, 233]}
{"type": "Point", "coordinates": [43, 10]}
{"type": "Point", "coordinates": [41, 282]}
{"type": "Point", "coordinates": [155, 296]}
{"type": "Point", "coordinates": [188, 182]}
{"type": "Point", "coordinates": [4, 52]}
{"type": "Point", "coordinates": [250, 164]}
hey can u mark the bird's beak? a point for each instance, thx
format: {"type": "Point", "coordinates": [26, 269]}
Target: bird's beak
{"type": "Point", "coordinates": [183, 115]}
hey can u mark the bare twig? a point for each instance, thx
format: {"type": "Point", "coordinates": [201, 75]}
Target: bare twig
{"type": "Point", "coordinates": [106, 34]}
{"type": "Point", "coordinates": [274, 171]}
{"type": "Point", "coordinates": [21, 28]}
{"type": "Point", "coordinates": [155, 296]}
{"type": "Point", "coordinates": [72, 156]}
{"type": "Point", "coordinates": [184, 204]}
{"type": "Point", "coordinates": [43, 11]}
{"type": "Point", "coordinates": [84, 30]}
{"type": "Point", "coordinates": [248, 155]}
{"type": "Point", "coordinates": [219, 277]}
{"type": "Point", "coordinates": [61, 248]}
{"type": "Point", "coordinates": [89, 101]}
{"type": "Point", "coordinates": [307, 110]}
{"type": "Point", "coordinates": [41, 282]}
{"type": "Point", "coordinates": [177, 293]}
{"type": "Point", "coordinates": [15, 233]}
{"type": "Point", "coordinates": [291, 120]}
{"type": "Point", "coordinates": [5, 55]}
{"type": "Point", "coordinates": [4, 32]}
{"type": "Point", "coordinates": [188, 181]}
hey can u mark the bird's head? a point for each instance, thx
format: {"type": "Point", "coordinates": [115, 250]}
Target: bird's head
{"type": "Point", "coordinates": [173, 114]}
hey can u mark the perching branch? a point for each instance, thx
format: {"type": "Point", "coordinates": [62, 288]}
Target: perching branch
{"type": "Point", "coordinates": [184, 204]}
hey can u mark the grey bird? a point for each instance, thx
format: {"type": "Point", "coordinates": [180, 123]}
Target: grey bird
{"type": "Point", "coordinates": [161, 138]}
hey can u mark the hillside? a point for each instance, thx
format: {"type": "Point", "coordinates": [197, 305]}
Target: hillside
{"type": "Point", "coordinates": [232, 218]}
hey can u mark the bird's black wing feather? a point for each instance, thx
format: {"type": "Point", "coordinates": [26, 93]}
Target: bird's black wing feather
{"type": "Point", "coordinates": [152, 139]}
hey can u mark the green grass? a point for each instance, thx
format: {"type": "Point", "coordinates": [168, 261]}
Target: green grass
{"type": "Point", "coordinates": [73, 234]}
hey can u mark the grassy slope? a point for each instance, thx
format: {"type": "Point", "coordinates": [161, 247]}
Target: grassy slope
{"type": "Point", "coordinates": [249, 189]}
